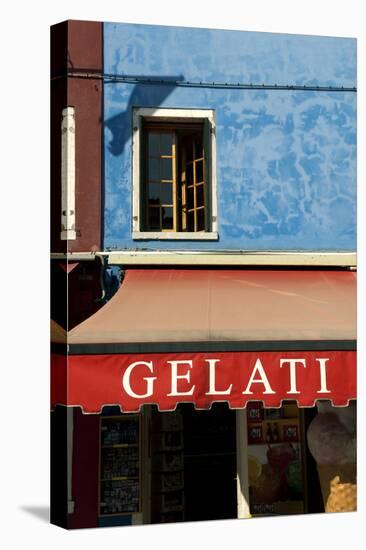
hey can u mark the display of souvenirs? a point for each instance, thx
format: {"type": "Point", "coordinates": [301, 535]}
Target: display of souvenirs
{"type": "Point", "coordinates": [120, 497]}
{"type": "Point", "coordinates": [119, 465]}
{"type": "Point", "coordinates": [120, 462]}
{"type": "Point", "coordinates": [268, 435]}
{"type": "Point", "coordinates": [281, 430]}
{"type": "Point", "coordinates": [294, 479]}
{"type": "Point", "coordinates": [279, 456]}
{"type": "Point", "coordinates": [275, 433]}
{"type": "Point", "coordinates": [272, 432]}
{"type": "Point", "coordinates": [167, 465]}
{"type": "Point", "coordinates": [289, 410]}
{"type": "Point", "coordinates": [290, 432]}
{"type": "Point", "coordinates": [254, 412]}
{"type": "Point", "coordinates": [167, 440]}
{"type": "Point", "coordinates": [275, 477]}
{"type": "Point", "coordinates": [171, 502]}
{"type": "Point", "coordinates": [169, 481]}
{"type": "Point", "coordinates": [255, 434]}
{"type": "Point", "coordinates": [119, 433]}
{"type": "Point", "coordinates": [169, 422]}
{"type": "Point", "coordinates": [274, 463]}
{"type": "Point", "coordinates": [269, 414]}
{"type": "Point", "coordinates": [168, 461]}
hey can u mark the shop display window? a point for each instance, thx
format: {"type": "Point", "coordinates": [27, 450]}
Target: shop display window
{"type": "Point", "coordinates": [276, 468]}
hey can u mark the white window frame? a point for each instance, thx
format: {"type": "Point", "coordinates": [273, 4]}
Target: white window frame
{"type": "Point", "coordinates": [171, 115]}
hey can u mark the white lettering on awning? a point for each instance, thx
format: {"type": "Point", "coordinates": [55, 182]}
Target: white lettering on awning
{"type": "Point", "coordinates": [258, 368]}
{"type": "Point", "coordinates": [212, 379]}
{"type": "Point", "coordinates": [149, 380]}
{"type": "Point", "coordinates": [175, 377]}
{"type": "Point", "coordinates": [323, 375]}
{"type": "Point", "coordinates": [292, 363]}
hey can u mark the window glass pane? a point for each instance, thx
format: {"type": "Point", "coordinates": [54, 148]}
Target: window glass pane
{"type": "Point", "coordinates": [200, 195]}
{"type": "Point", "coordinates": [154, 218]}
{"type": "Point", "coordinates": [167, 193]}
{"type": "Point", "coordinates": [154, 173]}
{"type": "Point", "coordinates": [154, 193]}
{"type": "Point", "coordinates": [189, 148]}
{"type": "Point", "coordinates": [198, 147]}
{"type": "Point", "coordinates": [190, 221]}
{"type": "Point", "coordinates": [167, 221]}
{"type": "Point", "coordinates": [189, 174]}
{"type": "Point", "coordinates": [199, 171]}
{"type": "Point", "coordinates": [166, 169]}
{"type": "Point", "coordinates": [200, 219]}
{"type": "Point", "coordinates": [166, 144]}
{"type": "Point", "coordinates": [153, 144]}
{"type": "Point", "coordinates": [190, 203]}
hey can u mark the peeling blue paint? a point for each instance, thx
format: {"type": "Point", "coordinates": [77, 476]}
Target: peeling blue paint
{"type": "Point", "coordinates": [286, 160]}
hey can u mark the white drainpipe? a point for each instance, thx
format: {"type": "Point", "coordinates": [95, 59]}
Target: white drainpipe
{"type": "Point", "coordinates": [68, 174]}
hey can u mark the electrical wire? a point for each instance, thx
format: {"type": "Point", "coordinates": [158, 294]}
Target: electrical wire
{"type": "Point", "coordinates": [128, 79]}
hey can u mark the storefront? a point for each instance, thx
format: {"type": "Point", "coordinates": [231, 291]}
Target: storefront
{"type": "Point", "coordinates": [206, 394]}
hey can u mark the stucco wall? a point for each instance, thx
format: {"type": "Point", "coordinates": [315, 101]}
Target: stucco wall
{"type": "Point", "coordinates": [286, 159]}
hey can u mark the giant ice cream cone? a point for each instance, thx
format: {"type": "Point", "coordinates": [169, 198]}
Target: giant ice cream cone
{"type": "Point", "coordinates": [342, 498]}
{"type": "Point", "coordinates": [332, 442]}
{"type": "Point", "coordinates": [346, 474]}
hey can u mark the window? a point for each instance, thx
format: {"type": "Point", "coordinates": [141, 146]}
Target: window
{"type": "Point", "coordinates": [174, 179]}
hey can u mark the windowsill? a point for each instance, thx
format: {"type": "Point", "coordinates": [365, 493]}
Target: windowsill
{"type": "Point", "coordinates": [175, 236]}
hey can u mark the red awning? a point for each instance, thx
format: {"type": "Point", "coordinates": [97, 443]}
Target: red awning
{"type": "Point", "coordinates": [201, 336]}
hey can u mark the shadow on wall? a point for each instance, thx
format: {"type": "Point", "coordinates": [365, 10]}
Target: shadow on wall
{"type": "Point", "coordinates": [120, 125]}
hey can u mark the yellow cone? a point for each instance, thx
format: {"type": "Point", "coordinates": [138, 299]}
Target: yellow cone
{"type": "Point", "coordinates": [342, 498]}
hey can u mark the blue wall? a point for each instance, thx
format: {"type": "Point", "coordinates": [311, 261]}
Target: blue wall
{"type": "Point", "coordinates": [286, 160]}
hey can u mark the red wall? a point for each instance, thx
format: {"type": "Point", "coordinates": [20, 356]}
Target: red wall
{"type": "Point", "coordinates": [85, 470]}
{"type": "Point", "coordinates": [77, 46]}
